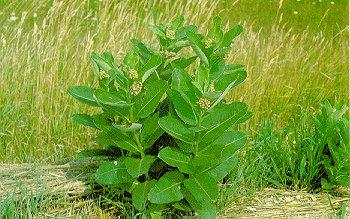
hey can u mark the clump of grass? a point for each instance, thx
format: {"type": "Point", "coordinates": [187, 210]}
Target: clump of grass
{"type": "Point", "coordinates": [307, 153]}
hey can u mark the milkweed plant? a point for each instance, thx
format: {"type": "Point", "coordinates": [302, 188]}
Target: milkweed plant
{"type": "Point", "coordinates": [163, 115]}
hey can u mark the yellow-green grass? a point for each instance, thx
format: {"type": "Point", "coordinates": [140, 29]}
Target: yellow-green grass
{"type": "Point", "coordinates": [45, 47]}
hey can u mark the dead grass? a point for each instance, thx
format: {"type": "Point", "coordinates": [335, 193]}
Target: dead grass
{"type": "Point", "coordinates": [276, 203]}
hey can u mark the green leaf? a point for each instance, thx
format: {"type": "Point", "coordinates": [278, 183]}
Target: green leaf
{"type": "Point", "coordinates": [83, 94]}
{"type": "Point", "coordinates": [197, 46]}
{"type": "Point", "coordinates": [216, 33]}
{"type": "Point", "coordinates": [126, 144]}
{"type": "Point", "coordinates": [239, 78]}
{"type": "Point", "coordinates": [225, 80]}
{"type": "Point", "coordinates": [204, 190]}
{"type": "Point", "coordinates": [147, 103]}
{"type": "Point", "coordinates": [204, 210]}
{"type": "Point", "coordinates": [101, 62]}
{"type": "Point", "coordinates": [84, 119]}
{"type": "Point", "coordinates": [202, 77]}
{"type": "Point", "coordinates": [137, 167]}
{"type": "Point", "coordinates": [222, 118]}
{"type": "Point", "coordinates": [140, 194]}
{"type": "Point", "coordinates": [227, 144]}
{"type": "Point", "coordinates": [119, 77]}
{"type": "Point", "coordinates": [176, 128]}
{"type": "Point", "coordinates": [128, 127]}
{"type": "Point", "coordinates": [141, 49]}
{"type": "Point", "coordinates": [182, 63]}
{"type": "Point", "coordinates": [224, 168]}
{"type": "Point", "coordinates": [175, 158]}
{"type": "Point", "coordinates": [151, 131]}
{"type": "Point", "coordinates": [184, 108]}
{"type": "Point", "coordinates": [179, 44]}
{"type": "Point", "coordinates": [112, 173]}
{"type": "Point", "coordinates": [181, 81]}
{"type": "Point", "coordinates": [107, 98]}
{"type": "Point", "coordinates": [203, 187]}
{"type": "Point", "coordinates": [231, 35]}
{"type": "Point", "coordinates": [178, 22]}
{"type": "Point", "coordinates": [88, 153]}
{"type": "Point", "coordinates": [209, 155]}
{"type": "Point", "coordinates": [167, 189]}
{"type": "Point", "coordinates": [150, 67]}
{"type": "Point", "coordinates": [103, 122]}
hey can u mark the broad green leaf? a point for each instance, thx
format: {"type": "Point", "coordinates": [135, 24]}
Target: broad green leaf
{"type": "Point", "coordinates": [107, 98]}
{"type": "Point", "coordinates": [197, 46]}
{"type": "Point", "coordinates": [151, 131]}
{"type": "Point", "coordinates": [128, 127]}
{"type": "Point", "coordinates": [210, 155]}
{"type": "Point", "coordinates": [83, 94]}
{"type": "Point", "coordinates": [112, 103]}
{"type": "Point", "coordinates": [179, 44]}
{"type": "Point", "coordinates": [116, 137]}
{"type": "Point", "coordinates": [101, 62]}
{"type": "Point", "coordinates": [147, 103]}
{"type": "Point", "coordinates": [181, 32]}
{"type": "Point", "coordinates": [119, 77]}
{"type": "Point", "coordinates": [176, 128]}
{"type": "Point", "coordinates": [231, 35]}
{"type": "Point", "coordinates": [158, 30]}
{"type": "Point", "coordinates": [225, 80]}
{"type": "Point", "coordinates": [127, 144]}
{"type": "Point", "coordinates": [181, 81]}
{"type": "Point", "coordinates": [203, 188]}
{"type": "Point", "coordinates": [204, 210]}
{"type": "Point", "coordinates": [184, 108]}
{"type": "Point", "coordinates": [167, 189]}
{"type": "Point", "coordinates": [140, 194]}
{"type": "Point", "coordinates": [222, 118]}
{"type": "Point", "coordinates": [182, 63]}
{"type": "Point", "coordinates": [237, 79]}
{"type": "Point", "coordinates": [224, 168]}
{"type": "Point", "coordinates": [215, 32]}
{"type": "Point", "coordinates": [151, 65]}
{"type": "Point", "coordinates": [202, 77]}
{"type": "Point", "coordinates": [137, 167]}
{"type": "Point", "coordinates": [176, 158]}
{"type": "Point", "coordinates": [217, 69]}
{"type": "Point", "coordinates": [131, 59]}
{"type": "Point", "coordinates": [103, 153]}
{"type": "Point", "coordinates": [103, 122]}
{"type": "Point", "coordinates": [84, 119]}
{"type": "Point", "coordinates": [112, 173]}
{"type": "Point", "coordinates": [144, 52]}
{"type": "Point", "coordinates": [178, 22]}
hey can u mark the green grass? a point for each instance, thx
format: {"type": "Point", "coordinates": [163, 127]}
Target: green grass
{"type": "Point", "coordinates": [293, 60]}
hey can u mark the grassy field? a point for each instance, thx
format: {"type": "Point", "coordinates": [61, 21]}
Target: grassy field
{"type": "Point", "coordinates": [296, 54]}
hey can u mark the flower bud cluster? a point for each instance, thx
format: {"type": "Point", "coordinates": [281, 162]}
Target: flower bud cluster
{"type": "Point", "coordinates": [103, 75]}
{"type": "Point", "coordinates": [204, 103]}
{"type": "Point", "coordinates": [133, 74]}
{"type": "Point", "coordinates": [136, 88]}
{"type": "Point", "coordinates": [169, 33]}
{"type": "Point", "coordinates": [208, 43]}
{"type": "Point", "coordinates": [169, 54]}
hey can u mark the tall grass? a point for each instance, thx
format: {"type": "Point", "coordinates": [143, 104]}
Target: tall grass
{"type": "Point", "coordinates": [45, 47]}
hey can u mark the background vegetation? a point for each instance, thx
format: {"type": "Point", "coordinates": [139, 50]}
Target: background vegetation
{"type": "Point", "coordinates": [296, 54]}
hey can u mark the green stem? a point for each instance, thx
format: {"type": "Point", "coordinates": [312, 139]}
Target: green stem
{"type": "Point", "coordinates": [197, 135]}
{"type": "Point", "coordinates": [139, 145]}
